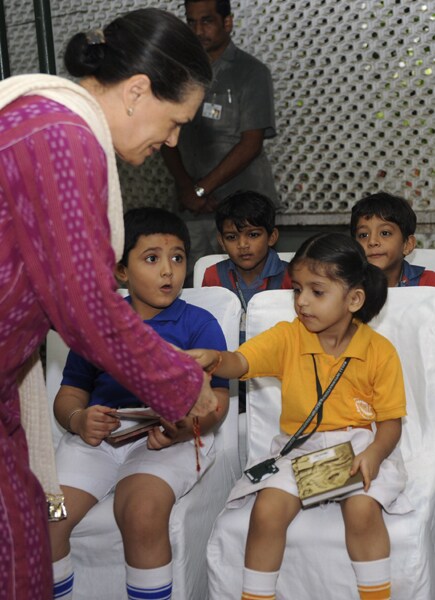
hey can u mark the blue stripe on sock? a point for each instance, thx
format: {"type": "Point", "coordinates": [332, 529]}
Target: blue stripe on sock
{"type": "Point", "coordinates": [161, 593]}
{"type": "Point", "coordinates": [63, 587]}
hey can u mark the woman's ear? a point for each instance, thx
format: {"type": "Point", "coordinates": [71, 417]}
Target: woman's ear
{"type": "Point", "coordinates": [136, 89]}
{"type": "Point", "coordinates": [357, 297]}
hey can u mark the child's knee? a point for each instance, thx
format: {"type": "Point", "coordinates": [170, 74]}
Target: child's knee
{"type": "Point", "coordinates": [274, 509]}
{"type": "Point", "coordinates": [362, 514]}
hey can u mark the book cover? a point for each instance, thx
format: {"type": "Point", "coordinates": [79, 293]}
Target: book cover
{"type": "Point", "coordinates": [137, 413]}
{"type": "Point", "coordinates": [135, 423]}
{"type": "Point", "coordinates": [324, 474]}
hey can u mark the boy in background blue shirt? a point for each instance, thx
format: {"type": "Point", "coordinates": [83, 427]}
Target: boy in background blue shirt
{"type": "Point", "coordinates": [385, 225]}
{"type": "Point", "coordinates": [245, 222]}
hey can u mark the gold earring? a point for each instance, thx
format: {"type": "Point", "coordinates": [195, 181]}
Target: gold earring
{"type": "Point", "coordinates": [130, 111]}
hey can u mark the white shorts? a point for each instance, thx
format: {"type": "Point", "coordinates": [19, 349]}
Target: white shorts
{"type": "Point", "coordinates": [387, 488]}
{"type": "Point", "coordinates": [97, 469]}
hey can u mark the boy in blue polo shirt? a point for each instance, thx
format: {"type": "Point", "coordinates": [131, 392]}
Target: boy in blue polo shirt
{"type": "Point", "coordinates": [151, 473]}
{"type": "Point", "coordinates": [385, 225]}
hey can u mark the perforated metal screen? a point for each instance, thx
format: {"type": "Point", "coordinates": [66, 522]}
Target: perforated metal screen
{"type": "Point", "coordinates": [354, 96]}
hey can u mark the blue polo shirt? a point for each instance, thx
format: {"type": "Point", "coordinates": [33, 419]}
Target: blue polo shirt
{"type": "Point", "coordinates": [184, 325]}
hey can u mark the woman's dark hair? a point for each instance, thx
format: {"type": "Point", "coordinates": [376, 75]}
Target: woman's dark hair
{"type": "Point", "coordinates": [149, 220]}
{"type": "Point", "coordinates": [147, 41]}
{"type": "Point", "coordinates": [246, 208]}
{"type": "Point", "coordinates": [341, 258]}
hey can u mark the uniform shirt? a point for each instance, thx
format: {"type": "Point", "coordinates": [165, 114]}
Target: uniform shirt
{"type": "Point", "coordinates": [241, 95]}
{"type": "Point", "coordinates": [274, 276]}
{"type": "Point", "coordinates": [371, 388]}
{"type": "Point", "coordinates": [412, 275]}
{"type": "Point", "coordinates": [184, 325]}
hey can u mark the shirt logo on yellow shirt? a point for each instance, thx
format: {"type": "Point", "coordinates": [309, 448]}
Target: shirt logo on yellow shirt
{"type": "Point", "coordinates": [364, 409]}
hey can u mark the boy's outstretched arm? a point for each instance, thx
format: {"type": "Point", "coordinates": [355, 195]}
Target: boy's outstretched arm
{"type": "Point", "coordinates": [229, 365]}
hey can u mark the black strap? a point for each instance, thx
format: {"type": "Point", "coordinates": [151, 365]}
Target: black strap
{"type": "Point", "coordinates": [297, 438]}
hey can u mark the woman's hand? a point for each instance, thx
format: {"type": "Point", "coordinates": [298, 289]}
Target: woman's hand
{"type": "Point", "coordinates": [206, 401]}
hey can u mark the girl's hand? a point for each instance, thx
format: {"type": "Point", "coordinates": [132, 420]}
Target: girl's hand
{"type": "Point", "coordinates": [368, 462]}
{"type": "Point", "coordinates": [207, 359]}
{"type": "Point", "coordinates": [94, 423]}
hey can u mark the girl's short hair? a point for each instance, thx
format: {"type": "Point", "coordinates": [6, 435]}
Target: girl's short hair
{"type": "Point", "coordinates": [341, 258]}
{"type": "Point", "coordinates": [147, 41]}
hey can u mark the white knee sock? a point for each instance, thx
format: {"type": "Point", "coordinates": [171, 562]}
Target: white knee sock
{"type": "Point", "coordinates": [259, 583]}
{"type": "Point", "coordinates": [158, 581]}
{"type": "Point", "coordinates": [373, 578]}
{"type": "Point", "coordinates": [63, 578]}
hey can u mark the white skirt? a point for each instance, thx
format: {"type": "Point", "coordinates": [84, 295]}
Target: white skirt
{"type": "Point", "coordinates": [387, 488]}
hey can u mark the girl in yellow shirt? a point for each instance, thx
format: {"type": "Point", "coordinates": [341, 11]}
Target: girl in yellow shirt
{"type": "Point", "coordinates": [336, 292]}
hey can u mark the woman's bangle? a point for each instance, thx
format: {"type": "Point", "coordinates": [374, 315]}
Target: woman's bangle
{"type": "Point", "coordinates": [68, 423]}
{"type": "Point", "coordinates": [217, 363]}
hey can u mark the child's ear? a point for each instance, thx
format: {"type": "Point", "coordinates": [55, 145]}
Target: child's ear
{"type": "Point", "coordinates": [121, 273]}
{"type": "Point", "coordinates": [409, 245]}
{"type": "Point", "coordinates": [221, 243]}
{"type": "Point", "coordinates": [273, 238]}
{"type": "Point", "coordinates": [357, 297]}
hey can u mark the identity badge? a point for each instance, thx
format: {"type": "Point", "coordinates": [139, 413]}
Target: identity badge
{"type": "Point", "coordinates": [212, 111]}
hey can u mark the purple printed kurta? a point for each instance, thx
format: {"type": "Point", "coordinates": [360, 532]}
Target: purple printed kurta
{"type": "Point", "coordinates": [56, 270]}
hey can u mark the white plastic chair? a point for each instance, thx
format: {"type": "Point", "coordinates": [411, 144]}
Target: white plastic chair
{"type": "Point", "coordinates": [316, 564]}
{"type": "Point", "coordinates": [424, 257]}
{"type": "Point", "coordinates": [96, 543]}
{"type": "Point", "coordinates": [206, 261]}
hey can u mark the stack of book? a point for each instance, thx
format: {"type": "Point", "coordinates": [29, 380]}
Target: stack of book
{"type": "Point", "coordinates": [325, 474]}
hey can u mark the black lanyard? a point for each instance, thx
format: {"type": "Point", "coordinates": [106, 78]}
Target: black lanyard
{"type": "Point", "coordinates": [268, 467]}
{"type": "Point", "coordinates": [297, 438]}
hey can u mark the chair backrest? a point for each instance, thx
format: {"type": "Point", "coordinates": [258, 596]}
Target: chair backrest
{"type": "Point", "coordinates": [206, 261]}
{"type": "Point", "coordinates": [222, 303]}
{"type": "Point", "coordinates": [424, 257]}
{"type": "Point", "coordinates": [407, 319]}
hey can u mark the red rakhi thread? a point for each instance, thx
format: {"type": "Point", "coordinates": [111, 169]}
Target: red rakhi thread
{"type": "Point", "coordinates": [197, 441]}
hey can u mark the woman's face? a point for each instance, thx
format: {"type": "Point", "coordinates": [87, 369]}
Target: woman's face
{"type": "Point", "coordinates": [153, 123]}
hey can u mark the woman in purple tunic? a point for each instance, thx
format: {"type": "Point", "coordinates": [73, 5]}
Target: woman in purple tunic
{"type": "Point", "coordinates": [60, 231]}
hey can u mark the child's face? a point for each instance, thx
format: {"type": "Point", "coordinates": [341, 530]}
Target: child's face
{"type": "Point", "coordinates": [323, 305]}
{"type": "Point", "coordinates": [247, 248]}
{"type": "Point", "coordinates": [155, 273]}
{"type": "Point", "coordinates": [383, 244]}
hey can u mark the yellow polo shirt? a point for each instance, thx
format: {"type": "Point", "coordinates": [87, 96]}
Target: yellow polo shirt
{"type": "Point", "coordinates": [370, 389]}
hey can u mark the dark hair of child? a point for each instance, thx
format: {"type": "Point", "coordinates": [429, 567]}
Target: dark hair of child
{"type": "Point", "coordinates": [340, 258]}
{"type": "Point", "coordinates": [388, 208]}
{"type": "Point", "coordinates": [150, 220]}
{"type": "Point", "coordinates": [246, 208]}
